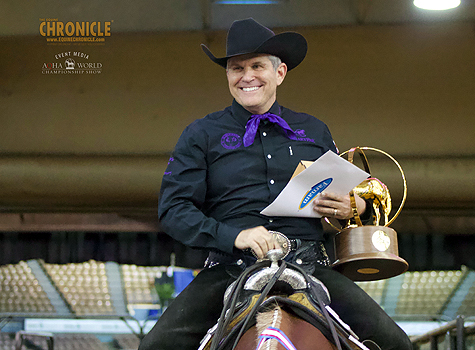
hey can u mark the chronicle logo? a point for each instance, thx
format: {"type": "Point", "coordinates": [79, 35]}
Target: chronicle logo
{"type": "Point", "coordinates": [71, 62]}
{"type": "Point", "coordinates": [58, 32]}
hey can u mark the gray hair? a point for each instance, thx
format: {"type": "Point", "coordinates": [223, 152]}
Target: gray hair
{"type": "Point", "coordinates": [276, 61]}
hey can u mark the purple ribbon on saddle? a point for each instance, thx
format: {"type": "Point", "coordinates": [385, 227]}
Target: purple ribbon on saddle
{"type": "Point", "coordinates": [253, 124]}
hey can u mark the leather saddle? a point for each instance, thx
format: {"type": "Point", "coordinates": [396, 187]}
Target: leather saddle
{"type": "Point", "coordinates": [261, 287]}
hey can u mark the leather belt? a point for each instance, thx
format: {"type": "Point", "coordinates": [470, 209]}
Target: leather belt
{"type": "Point", "coordinates": [297, 243]}
{"type": "Point", "coordinates": [289, 245]}
{"type": "Point", "coordinates": [246, 258]}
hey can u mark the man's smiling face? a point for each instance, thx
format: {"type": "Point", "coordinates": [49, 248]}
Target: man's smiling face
{"type": "Point", "coordinates": [253, 81]}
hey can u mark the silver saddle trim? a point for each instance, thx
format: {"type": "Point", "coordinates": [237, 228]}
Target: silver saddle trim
{"type": "Point", "coordinates": [261, 278]}
{"type": "Point", "coordinates": [294, 278]}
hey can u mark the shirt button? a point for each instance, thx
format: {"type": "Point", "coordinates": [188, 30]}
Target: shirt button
{"type": "Point", "coordinates": [271, 220]}
{"type": "Point", "coordinates": [264, 134]}
{"type": "Point", "coordinates": [269, 156]}
{"type": "Point", "coordinates": [271, 181]}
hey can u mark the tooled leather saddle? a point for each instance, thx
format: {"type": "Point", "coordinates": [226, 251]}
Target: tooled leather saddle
{"type": "Point", "coordinates": [271, 282]}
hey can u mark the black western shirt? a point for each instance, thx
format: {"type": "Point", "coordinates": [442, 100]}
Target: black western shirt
{"type": "Point", "coordinates": [214, 187]}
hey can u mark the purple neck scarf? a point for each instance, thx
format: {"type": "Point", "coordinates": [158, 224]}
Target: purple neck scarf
{"type": "Point", "coordinates": [253, 124]}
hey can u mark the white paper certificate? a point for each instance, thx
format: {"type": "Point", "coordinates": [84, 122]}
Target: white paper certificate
{"type": "Point", "coordinates": [330, 172]}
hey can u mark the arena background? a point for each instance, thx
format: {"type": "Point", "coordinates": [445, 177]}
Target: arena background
{"type": "Point", "coordinates": [82, 155]}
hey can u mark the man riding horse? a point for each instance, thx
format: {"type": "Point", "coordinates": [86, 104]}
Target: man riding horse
{"type": "Point", "coordinates": [231, 164]}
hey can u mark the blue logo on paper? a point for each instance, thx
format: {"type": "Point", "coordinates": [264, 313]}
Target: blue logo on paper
{"type": "Point", "coordinates": [312, 193]}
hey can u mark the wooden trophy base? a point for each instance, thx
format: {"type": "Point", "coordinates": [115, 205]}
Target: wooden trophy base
{"type": "Point", "coordinates": [368, 253]}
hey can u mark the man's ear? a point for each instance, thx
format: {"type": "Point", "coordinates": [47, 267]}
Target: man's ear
{"type": "Point", "coordinates": [281, 73]}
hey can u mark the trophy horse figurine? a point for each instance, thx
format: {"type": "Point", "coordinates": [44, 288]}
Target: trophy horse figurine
{"type": "Point", "coordinates": [375, 190]}
{"type": "Point", "coordinates": [369, 252]}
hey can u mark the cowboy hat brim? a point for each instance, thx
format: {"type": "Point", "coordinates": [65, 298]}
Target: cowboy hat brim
{"type": "Point", "coordinates": [290, 47]}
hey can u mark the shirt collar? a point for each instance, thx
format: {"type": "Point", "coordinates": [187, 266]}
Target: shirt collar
{"type": "Point", "coordinates": [242, 115]}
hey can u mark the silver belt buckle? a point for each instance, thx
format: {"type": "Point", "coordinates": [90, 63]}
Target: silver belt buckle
{"type": "Point", "coordinates": [283, 242]}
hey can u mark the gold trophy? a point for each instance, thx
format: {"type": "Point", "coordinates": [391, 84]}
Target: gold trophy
{"type": "Point", "coordinates": [369, 252]}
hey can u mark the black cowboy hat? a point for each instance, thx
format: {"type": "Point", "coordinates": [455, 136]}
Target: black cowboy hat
{"type": "Point", "coordinates": [247, 36]}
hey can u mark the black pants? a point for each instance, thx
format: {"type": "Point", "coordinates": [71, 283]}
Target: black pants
{"type": "Point", "coordinates": [197, 308]}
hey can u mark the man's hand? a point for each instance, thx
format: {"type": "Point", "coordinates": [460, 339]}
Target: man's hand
{"type": "Point", "coordinates": [258, 239]}
{"type": "Point", "coordinates": [336, 206]}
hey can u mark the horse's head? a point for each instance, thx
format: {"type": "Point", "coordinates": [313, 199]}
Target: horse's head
{"type": "Point", "coordinates": [376, 191]}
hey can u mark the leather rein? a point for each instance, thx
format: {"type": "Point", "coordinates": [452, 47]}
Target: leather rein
{"type": "Point", "coordinates": [222, 342]}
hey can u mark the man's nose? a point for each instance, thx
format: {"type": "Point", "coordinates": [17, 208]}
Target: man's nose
{"type": "Point", "coordinates": [248, 74]}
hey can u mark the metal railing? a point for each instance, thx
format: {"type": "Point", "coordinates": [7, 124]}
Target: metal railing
{"type": "Point", "coordinates": [454, 333]}
{"type": "Point", "coordinates": [22, 336]}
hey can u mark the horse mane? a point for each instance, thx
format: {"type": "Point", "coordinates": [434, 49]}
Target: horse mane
{"type": "Point", "coordinates": [272, 317]}
{"type": "Point", "coordinates": [301, 333]}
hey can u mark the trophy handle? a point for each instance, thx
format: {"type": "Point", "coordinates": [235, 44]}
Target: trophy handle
{"type": "Point", "coordinates": [351, 153]}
